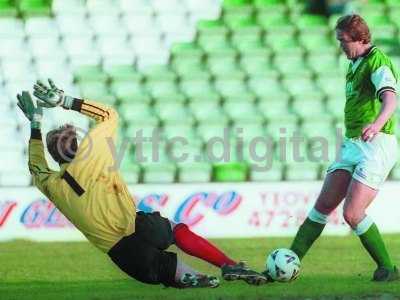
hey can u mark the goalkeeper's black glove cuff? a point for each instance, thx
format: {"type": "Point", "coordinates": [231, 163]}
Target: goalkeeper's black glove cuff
{"type": "Point", "coordinates": [77, 104]}
{"type": "Point", "coordinates": [36, 134]}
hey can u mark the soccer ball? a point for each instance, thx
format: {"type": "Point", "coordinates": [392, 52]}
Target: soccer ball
{"type": "Point", "coordinates": [283, 265]}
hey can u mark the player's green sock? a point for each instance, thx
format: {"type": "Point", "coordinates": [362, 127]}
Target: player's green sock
{"type": "Point", "coordinates": [308, 232]}
{"type": "Point", "coordinates": [372, 241]}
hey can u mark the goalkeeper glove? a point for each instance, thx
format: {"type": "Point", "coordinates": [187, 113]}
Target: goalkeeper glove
{"type": "Point", "coordinates": [52, 95]}
{"type": "Point", "coordinates": [32, 112]}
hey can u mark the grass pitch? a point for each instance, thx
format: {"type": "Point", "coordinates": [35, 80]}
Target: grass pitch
{"type": "Point", "coordinates": [335, 268]}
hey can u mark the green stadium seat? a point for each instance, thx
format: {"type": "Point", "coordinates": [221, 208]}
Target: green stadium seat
{"type": "Point", "coordinates": [201, 100]}
{"type": "Point", "coordinates": [230, 84]}
{"type": "Point", "coordinates": [298, 86]}
{"type": "Point", "coordinates": [135, 111]}
{"type": "Point", "coordinates": [381, 26]}
{"type": "Point", "coordinates": [245, 31]}
{"type": "Point", "coordinates": [264, 84]}
{"type": "Point", "coordinates": [308, 105]}
{"type": "Point", "coordinates": [31, 8]}
{"type": "Point", "coordinates": [160, 172]}
{"type": "Point", "coordinates": [283, 44]}
{"type": "Point", "coordinates": [292, 66]}
{"type": "Point", "coordinates": [145, 126]}
{"type": "Point", "coordinates": [158, 88]}
{"type": "Point", "coordinates": [211, 34]}
{"type": "Point", "coordinates": [270, 7]}
{"type": "Point", "coordinates": [195, 82]}
{"type": "Point", "coordinates": [166, 99]}
{"type": "Point", "coordinates": [274, 105]}
{"type": "Point", "coordinates": [121, 73]}
{"type": "Point", "coordinates": [282, 126]}
{"type": "Point", "coordinates": [159, 73]}
{"type": "Point", "coordinates": [196, 172]}
{"type": "Point", "coordinates": [186, 51]}
{"type": "Point", "coordinates": [241, 110]}
{"type": "Point", "coordinates": [211, 129]}
{"type": "Point", "coordinates": [374, 8]}
{"type": "Point", "coordinates": [182, 129]}
{"type": "Point", "coordinates": [312, 24]}
{"type": "Point", "coordinates": [241, 97]}
{"type": "Point", "coordinates": [261, 171]}
{"type": "Point", "coordinates": [130, 170]}
{"type": "Point", "coordinates": [206, 108]}
{"type": "Point", "coordinates": [8, 9]}
{"type": "Point", "coordinates": [230, 172]}
{"type": "Point", "coordinates": [173, 113]}
{"type": "Point", "coordinates": [97, 91]}
{"type": "Point", "coordinates": [318, 126]}
{"type": "Point", "coordinates": [324, 64]}
{"type": "Point", "coordinates": [335, 105]}
{"type": "Point", "coordinates": [332, 85]}
{"type": "Point", "coordinates": [126, 89]}
{"type": "Point", "coordinates": [235, 16]}
{"type": "Point", "coordinates": [255, 59]}
{"type": "Point", "coordinates": [222, 60]}
{"type": "Point", "coordinates": [248, 130]}
{"type": "Point", "coordinates": [140, 96]}
{"type": "Point", "coordinates": [90, 73]}
{"type": "Point", "coordinates": [318, 44]}
{"type": "Point", "coordinates": [302, 171]}
{"type": "Point", "coordinates": [276, 23]}
{"type": "Point", "coordinates": [184, 67]}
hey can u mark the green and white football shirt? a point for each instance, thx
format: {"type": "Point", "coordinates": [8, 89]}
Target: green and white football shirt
{"type": "Point", "coordinates": [367, 78]}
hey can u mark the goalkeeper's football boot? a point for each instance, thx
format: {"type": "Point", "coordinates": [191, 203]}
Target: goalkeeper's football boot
{"type": "Point", "coordinates": [242, 272]}
{"type": "Point", "coordinates": [198, 281]}
{"type": "Point", "coordinates": [383, 274]}
{"type": "Point", "coordinates": [266, 275]}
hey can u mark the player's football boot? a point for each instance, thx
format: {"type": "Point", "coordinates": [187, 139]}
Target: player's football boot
{"type": "Point", "coordinates": [242, 272]}
{"type": "Point", "coordinates": [199, 281]}
{"type": "Point", "coordinates": [384, 274]}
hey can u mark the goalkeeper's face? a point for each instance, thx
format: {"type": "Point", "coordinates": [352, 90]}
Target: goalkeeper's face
{"type": "Point", "coordinates": [62, 143]}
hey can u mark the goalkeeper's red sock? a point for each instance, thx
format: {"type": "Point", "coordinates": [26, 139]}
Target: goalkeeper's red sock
{"type": "Point", "coordinates": [195, 245]}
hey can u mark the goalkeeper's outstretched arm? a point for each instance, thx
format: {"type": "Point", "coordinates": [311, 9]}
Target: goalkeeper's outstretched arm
{"type": "Point", "coordinates": [42, 175]}
{"type": "Point", "coordinates": [97, 111]}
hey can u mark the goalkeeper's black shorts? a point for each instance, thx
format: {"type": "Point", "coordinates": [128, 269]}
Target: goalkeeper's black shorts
{"type": "Point", "coordinates": [142, 254]}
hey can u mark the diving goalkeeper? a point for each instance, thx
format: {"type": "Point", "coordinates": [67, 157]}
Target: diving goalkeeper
{"type": "Point", "coordinates": [97, 201]}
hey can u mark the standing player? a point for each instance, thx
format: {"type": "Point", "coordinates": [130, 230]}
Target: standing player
{"type": "Point", "coordinates": [369, 150]}
{"type": "Point", "coordinates": [96, 200]}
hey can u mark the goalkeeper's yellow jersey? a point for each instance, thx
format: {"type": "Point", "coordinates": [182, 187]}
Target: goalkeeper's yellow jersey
{"type": "Point", "coordinates": [91, 194]}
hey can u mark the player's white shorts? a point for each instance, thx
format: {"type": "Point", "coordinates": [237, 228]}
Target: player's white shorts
{"type": "Point", "coordinates": [368, 162]}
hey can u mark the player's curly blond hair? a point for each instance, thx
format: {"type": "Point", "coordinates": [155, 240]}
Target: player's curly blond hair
{"type": "Point", "coordinates": [356, 27]}
{"type": "Point", "coordinates": [62, 143]}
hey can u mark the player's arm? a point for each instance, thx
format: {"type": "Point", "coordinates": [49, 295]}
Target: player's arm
{"type": "Point", "coordinates": [384, 82]}
{"type": "Point", "coordinates": [389, 104]}
{"type": "Point", "coordinates": [40, 171]}
{"type": "Point", "coordinates": [54, 96]}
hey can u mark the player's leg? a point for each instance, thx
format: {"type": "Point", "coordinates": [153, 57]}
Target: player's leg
{"type": "Point", "coordinates": [378, 158]}
{"type": "Point", "coordinates": [332, 194]}
{"type": "Point", "coordinates": [197, 246]}
{"type": "Point", "coordinates": [358, 199]}
{"type": "Point", "coordinates": [150, 265]}
{"type": "Point", "coordinates": [142, 255]}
